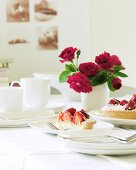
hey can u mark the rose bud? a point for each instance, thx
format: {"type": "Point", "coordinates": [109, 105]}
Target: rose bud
{"type": "Point", "coordinates": [116, 83]}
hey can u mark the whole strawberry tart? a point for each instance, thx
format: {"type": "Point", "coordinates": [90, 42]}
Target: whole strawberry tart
{"type": "Point", "coordinates": [123, 109]}
{"type": "Point", "coordinates": [71, 118]}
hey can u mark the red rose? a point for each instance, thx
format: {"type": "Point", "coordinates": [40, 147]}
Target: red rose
{"type": "Point", "coordinates": [67, 54]}
{"type": "Point", "coordinates": [89, 68]}
{"type": "Point", "coordinates": [79, 83]}
{"type": "Point", "coordinates": [104, 60]}
{"type": "Point", "coordinates": [116, 83]}
{"type": "Point", "coordinates": [116, 60]}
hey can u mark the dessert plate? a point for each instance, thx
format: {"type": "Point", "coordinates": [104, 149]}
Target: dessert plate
{"type": "Point", "coordinates": [88, 143]}
{"type": "Point", "coordinates": [93, 150]}
{"type": "Point", "coordinates": [23, 118]}
{"type": "Point", "coordinates": [116, 121]}
{"type": "Point", "coordinates": [43, 126]}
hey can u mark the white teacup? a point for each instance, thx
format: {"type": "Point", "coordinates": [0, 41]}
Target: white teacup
{"type": "Point", "coordinates": [11, 99]}
{"type": "Point", "coordinates": [35, 91]}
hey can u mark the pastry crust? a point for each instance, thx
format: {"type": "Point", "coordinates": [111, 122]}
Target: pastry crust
{"type": "Point", "coordinates": [67, 125]}
{"type": "Point", "coordinates": [88, 125]}
{"type": "Point", "coordinates": [119, 114]}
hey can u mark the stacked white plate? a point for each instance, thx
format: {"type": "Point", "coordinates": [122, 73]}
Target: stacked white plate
{"type": "Point", "coordinates": [23, 118]}
{"type": "Point", "coordinates": [105, 146]}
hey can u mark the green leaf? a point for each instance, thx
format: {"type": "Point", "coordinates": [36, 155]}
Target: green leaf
{"type": "Point", "coordinates": [120, 74]}
{"type": "Point", "coordinates": [99, 79]}
{"type": "Point", "coordinates": [109, 81]}
{"type": "Point", "coordinates": [117, 68]}
{"type": "Point", "coordinates": [105, 72]}
{"type": "Point", "coordinates": [70, 68]}
{"type": "Point", "coordinates": [63, 76]}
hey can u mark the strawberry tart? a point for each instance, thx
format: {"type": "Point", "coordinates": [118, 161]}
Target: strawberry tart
{"type": "Point", "coordinates": [71, 118]}
{"type": "Point", "coordinates": [123, 109]}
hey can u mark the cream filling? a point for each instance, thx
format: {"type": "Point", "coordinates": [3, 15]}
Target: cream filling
{"type": "Point", "coordinates": [116, 107]}
{"type": "Point", "coordinates": [68, 125]}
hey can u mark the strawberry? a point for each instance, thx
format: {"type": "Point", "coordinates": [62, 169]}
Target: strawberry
{"type": "Point", "coordinates": [78, 117]}
{"type": "Point", "coordinates": [71, 111]}
{"type": "Point", "coordinates": [85, 114]}
{"type": "Point", "coordinates": [134, 98]}
{"type": "Point", "coordinates": [114, 101]}
{"type": "Point", "coordinates": [131, 103]}
{"type": "Point", "coordinates": [123, 102]}
{"type": "Point", "coordinates": [60, 116]}
{"type": "Point", "coordinates": [67, 116]}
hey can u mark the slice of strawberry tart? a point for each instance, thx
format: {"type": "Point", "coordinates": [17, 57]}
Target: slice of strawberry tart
{"type": "Point", "coordinates": [123, 109]}
{"type": "Point", "coordinates": [71, 118]}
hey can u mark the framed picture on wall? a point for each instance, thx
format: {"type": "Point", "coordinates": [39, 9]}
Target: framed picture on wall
{"type": "Point", "coordinates": [47, 38]}
{"type": "Point", "coordinates": [40, 16]}
{"type": "Point", "coordinates": [45, 10]}
{"type": "Point", "coordinates": [20, 39]}
{"type": "Point", "coordinates": [17, 10]}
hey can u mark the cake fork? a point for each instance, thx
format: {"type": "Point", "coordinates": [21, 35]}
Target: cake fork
{"type": "Point", "coordinates": [52, 126]}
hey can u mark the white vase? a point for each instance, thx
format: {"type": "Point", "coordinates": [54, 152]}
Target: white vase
{"type": "Point", "coordinates": [96, 99]}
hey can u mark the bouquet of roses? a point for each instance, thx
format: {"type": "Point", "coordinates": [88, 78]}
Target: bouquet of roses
{"type": "Point", "coordinates": [82, 77]}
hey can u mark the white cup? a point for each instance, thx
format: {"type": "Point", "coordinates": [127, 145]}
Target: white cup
{"type": "Point", "coordinates": [35, 91]}
{"type": "Point", "coordinates": [11, 99]}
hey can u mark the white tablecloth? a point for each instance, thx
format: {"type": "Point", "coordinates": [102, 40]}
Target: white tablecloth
{"type": "Point", "coordinates": [29, 149]}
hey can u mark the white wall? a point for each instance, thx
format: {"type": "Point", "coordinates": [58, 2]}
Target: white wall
{"type": "Point", "coordinates": [92, 25]}
{"type": "Point", "coordinates": [73, 24]}
{"type": "Point", "coordinates": [113, 29]}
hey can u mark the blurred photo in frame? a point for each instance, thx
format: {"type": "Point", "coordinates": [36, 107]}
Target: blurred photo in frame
{"type": "Point", "coordinates": [17, 10]}
{"type": "Point", "coordinates": [47, 38]}
{"type": "Point", "coordinates": [45, 10]}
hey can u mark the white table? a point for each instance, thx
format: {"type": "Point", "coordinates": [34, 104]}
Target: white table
{"type": "Point", "coordinates": [44, 152]}
{"type": "Point", "coordinates": [29, 149]}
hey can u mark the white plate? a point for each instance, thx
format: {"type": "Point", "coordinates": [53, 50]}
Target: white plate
{"type": "Point", "coordinates": [23, 118]}
{"type": "Point", "coordinates": [100, 146]}
{"type": "Point", "coordinates": [115, 121]}
{"type": "Point", "coordinates": [94, 151]}
{"type": "Point", "coordinates": [42, 126]}
{"type": "Point", "coordinates": [13, 124]}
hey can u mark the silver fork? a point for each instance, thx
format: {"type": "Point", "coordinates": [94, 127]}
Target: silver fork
{"type": "Point", "coordinates": [52, 126]}
{"type": "Point", "coordinates": [130, 139]}
{"type": "Point", "coordinates": [98, 138]}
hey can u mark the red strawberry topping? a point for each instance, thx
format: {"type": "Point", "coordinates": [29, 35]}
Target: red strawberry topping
{"type": "Point", "coordinates": [71, 115]}
{"type": "Point", "coordinates": [132, 103]}
{"type": "Point", "coordinates": [114, 101]}
{"type": "Point", "coordinates": [60, 116]}
{"type": "Point", "coordinates": [71, 111]}
{"type": "Point", "coordinates": [78, 117]}
{"type": "Point", "coordinates": [123, 102]}
{"type": "Point", "coordinates": [85, 114]}
{"type": "Point", "coordinates": [67, 116]}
